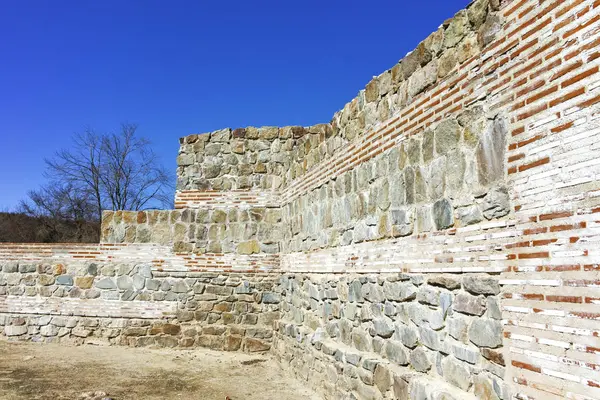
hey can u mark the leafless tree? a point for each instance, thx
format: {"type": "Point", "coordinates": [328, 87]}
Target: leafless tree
{"type": "Point", "coordinates": [117, 171]}
{"type": "Point", "coordinates": [58, 213]}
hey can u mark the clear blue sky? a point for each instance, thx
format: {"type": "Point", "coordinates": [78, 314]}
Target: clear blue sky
{"type": "Point", "coordinates": [180, 67]}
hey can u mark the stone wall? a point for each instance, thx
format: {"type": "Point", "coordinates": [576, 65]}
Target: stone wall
{"type": "Point", "coordinates": [244, 231]}
{"type": "Point", "coordinates": [436, 240]}
{"type": "Point", "coordinates": [130, 303]}
{"type": "Point", "coordinates": [376, 334]}
{"type": "Point", "coordinates": [246, 158]}
{"type": "Point", "coordinates": [451, 175]}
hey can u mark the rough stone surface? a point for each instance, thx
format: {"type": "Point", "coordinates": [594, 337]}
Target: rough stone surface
{"type": "Point", "coordinates": [456, 373]}
{"type": "Point", "coordinates": [469, 304]}
{"type": "Point", "coordinates": [486, 333]}
{"type": "Point", "coordinates": [481, 285]}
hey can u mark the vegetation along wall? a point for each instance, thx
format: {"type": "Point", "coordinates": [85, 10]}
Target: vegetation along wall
{"type": "Point", "coordinates": [438, 239]}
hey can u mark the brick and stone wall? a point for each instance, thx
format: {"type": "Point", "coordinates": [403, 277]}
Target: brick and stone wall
{"type": "Point", "coordinates": [129, 302]}
{"type": "Point", "coordinates": [436, 240]}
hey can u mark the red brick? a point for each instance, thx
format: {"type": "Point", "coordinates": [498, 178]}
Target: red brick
{"type": "Point", "coordinates": [516, 157]}
{"type": "Point", "coordinates": [574, 267]}
{"type": "Point", "coordinates": [582, 26]}
{"type": "Point", "coordinates": [555, 215]}
{"type": "Point", "coordinates": [530, 140]}
{"type": "Point", "coordinates": [518, 131]}
{"type": "Point", "coordinates": [561, 127]}
{"type": "Point", "coordinates": [589, 102]}
{"type": "Point", "coordinates": [563, 299]}
{"type": "Point", "coordinates": [563, 23]}
{"type": "Point", "coordinates": [514, 8]}
{"type": "Point", "coordinates": [537, 28]}
{"type": "Point", "coordinates": [531, 88]}
{"type": "Point", "coordinates": [579, 77]}
{"type": "Point", "coordinates": [541, 254]}
{"type": "Point", "coordinates": [534, 164]}
{"type": "Point", "coordinates": [523, 365]}
{"type": "Point", "coordinates": [533, 296]}
{"type": "Point", "coordinates": [592, 300]}
{"type": "Point", "coordinates": [543, 242]}
{"type": "Point", "coordinates": [566, 70]}
{"type": "Point", "coordinates": [570, 7]}
{"type": "Point", "coordinates": [534, 231]}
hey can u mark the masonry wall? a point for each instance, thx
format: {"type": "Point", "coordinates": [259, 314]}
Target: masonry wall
{"type": "Point", "coordinates": [436, 240]}
{"type": "Point", "coordinates": [209, 231]}
{"type": "Point", "coordinates": [518, 83]}
{"type": "Point", "coordinates": [91, 294]}
{"type": "Point", "coordinates": [373, 334]}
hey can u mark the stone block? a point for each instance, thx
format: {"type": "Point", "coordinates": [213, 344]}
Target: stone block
{"type": "Point", "coordinates": [468, 304]}
{"type": "Point", "coordinates": [422, 79]}
{"type": "Point", "coordinates": [496, 203]}
{"type": "Point", "coordinates": [446, 281]}
{"type": "Point", "coordinates": [395, 352]}
{"type": "Point", "coordinates": [480, 284]}
{"type": "Point", "coordinates": [361, 340]}
{"type": "Point", "coordinates": [457, 29]}
{"type": "Point", "coordinates": [382, 378]}
{"type": "Point", "coordinates": [84, 282]}
{"type": "Point", "coordinates": [430, 338]}
{"type": "Point", "coordinates": [383, 326]}
{"type": "Point", "coordinates": [456, 373]}
{"type": "Point", "coordinates": [232, 343]}
{"type": "Point", "coordinates": [484, 388]}
{"type": "Point", "coordinates": [407, 335]}
{"type": "Point", "coordinates": [485, 332]}
{"type": "Point", "coordinates": [65, 280]}
{"type": "Point", "coordinates": [419, 360]}
{"type": "Point", "coordinates": [255, 345]}
{"type": "Point", "coordinates": [399, 291]}
{"type": "Point", "coordinates": [13, 330]}
{"type": "Point", "coordinates": [469, 215]}
{"type": "Point", "coordinates": [443, 214]}
{"type": "Point", "coordinates": [46, 280]}
{"type": "Point", "coordinates": [491, 152]}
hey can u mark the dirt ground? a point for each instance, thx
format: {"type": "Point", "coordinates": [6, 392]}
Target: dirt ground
{"type": "Point", "coordinates": [50, 371]}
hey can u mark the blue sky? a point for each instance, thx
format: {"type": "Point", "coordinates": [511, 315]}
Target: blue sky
{"type": "Point", "coordinates": [180, 67]}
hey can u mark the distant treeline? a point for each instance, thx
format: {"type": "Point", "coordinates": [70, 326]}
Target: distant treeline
{"type": "Point", "coordinates": [22, 228]}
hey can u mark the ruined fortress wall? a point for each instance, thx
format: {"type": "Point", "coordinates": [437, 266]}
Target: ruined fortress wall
{"type": "Point", "coordinates": [474, 156]}
{"type": "Point", "coordinates": [437, 239]}
{"type": "Point", "coordinates": [536, 83]}
{"type": "Point", "coordinates": [247, 236]}
{"type": "Point", "coordinates": [121, 295]}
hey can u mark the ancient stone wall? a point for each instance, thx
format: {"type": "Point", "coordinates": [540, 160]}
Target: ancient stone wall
{"type": "Point", "coordinates": [74, 294]}
{"type": "Point", "coordinates": [369, 332]}
{"type": "Point", "coordinates": [245, 159]}
{"type": "Point", "coordinates": [437, 239]}
{"type": "Point", "coordinates": [242, 231]}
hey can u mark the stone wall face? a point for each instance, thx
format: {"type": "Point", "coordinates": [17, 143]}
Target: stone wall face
{"type": "Point", "coordinates": [370, 332]}
{"type": "Point", "coordinates": [436, 240]}
{"type": "Point", "coordinates": [129, 303]}
{"type": "Point", "coordinates": [155, 226]}
{"type": "Point", "coordinates": [246, 158]}
{"type": "Point", "coordinates": [244, 231]}
{"type": "Point", "coordinates": [451, 175]}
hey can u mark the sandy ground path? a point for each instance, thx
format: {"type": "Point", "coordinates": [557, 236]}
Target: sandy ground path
{"type": "Point", "coordinates": [51, 371]}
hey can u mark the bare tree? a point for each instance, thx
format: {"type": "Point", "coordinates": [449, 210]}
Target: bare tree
{"type": "Point", "coordinates": [61, 214]}
{"type": "Point", "coordinates": [117, 171]}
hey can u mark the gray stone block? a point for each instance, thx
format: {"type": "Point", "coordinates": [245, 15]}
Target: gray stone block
{"type": "Point", "coordinates": [486, 333]}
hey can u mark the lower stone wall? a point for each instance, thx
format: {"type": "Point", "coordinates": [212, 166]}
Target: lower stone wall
{"type": "Point", "coordinates": [136, 305]}
{"type": "Point", "coordinates": [393, 335]}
